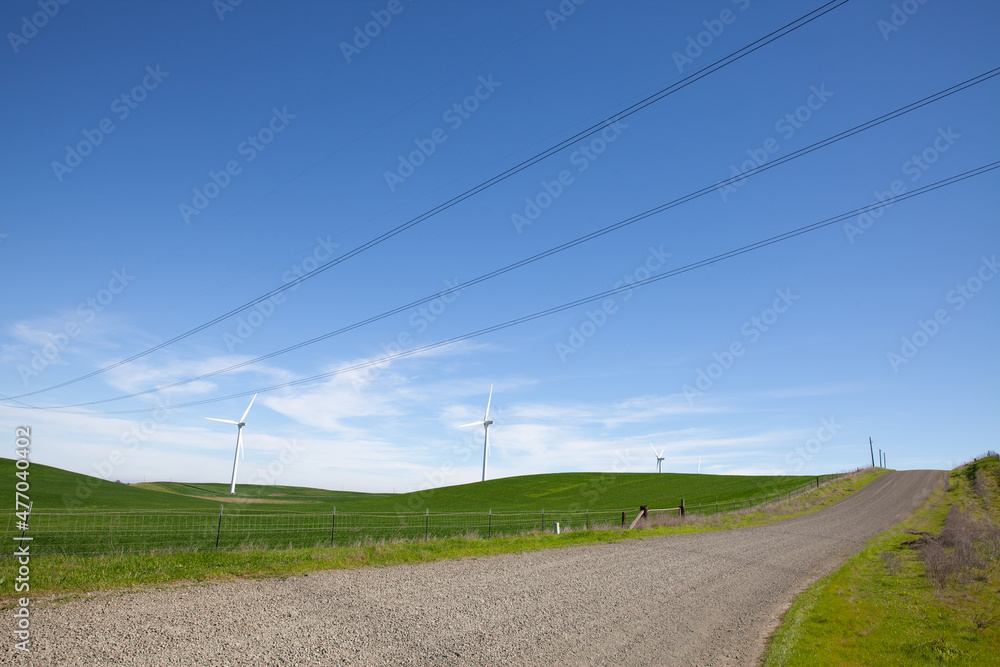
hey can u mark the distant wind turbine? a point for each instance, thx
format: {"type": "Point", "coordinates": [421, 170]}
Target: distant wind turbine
{"type": "Point", "coordinates": [239, 441]}
{"type": "Point", "coordinates": [486, 422]}
{"type": "Point", "coordinates": [659, 457]}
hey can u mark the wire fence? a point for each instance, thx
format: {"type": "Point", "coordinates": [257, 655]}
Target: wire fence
{"type": "Point", "coordinates": [94, 532]}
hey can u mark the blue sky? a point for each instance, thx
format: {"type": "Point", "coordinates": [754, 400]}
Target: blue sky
{"type": "Point", "coordinates": [165, 163]}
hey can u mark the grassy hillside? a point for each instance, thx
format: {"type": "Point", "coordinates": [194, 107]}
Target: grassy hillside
{"type": "Point", "coordinates": [53, 488]}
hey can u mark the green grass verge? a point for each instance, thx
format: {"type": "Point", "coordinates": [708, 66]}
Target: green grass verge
{"type": "Point", "coordinates": [880, 608]}
{"type": "Point", "coordinates": [76, 575]}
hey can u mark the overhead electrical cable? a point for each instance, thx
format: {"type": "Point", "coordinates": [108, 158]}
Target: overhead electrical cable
{"type": "Point", "coordinates": [978, 171]}
{"type": "Point", "coordinates": [773, 36]}
{"type": "Point", "coordinates": [577, 241]}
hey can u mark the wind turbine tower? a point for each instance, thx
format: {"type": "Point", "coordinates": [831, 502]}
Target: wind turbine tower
{"type": "Point", "coordinates": [659, 457]}
{"type": "Point", "coordinates": [239, 441]}
{"type": "Point", "coordinates": [486, 423]}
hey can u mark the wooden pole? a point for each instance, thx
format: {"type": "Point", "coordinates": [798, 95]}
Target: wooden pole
{"type": "Point", "coordinates": [333, 528]}
{"type": "Point", "coordinates": [427, 523]}
{"type": "Point", "coordinates": [872, 450]}
{"type": "Point", "coordinates": [489, 524]}
{"type": "Point", "coordinates": [682, 507]}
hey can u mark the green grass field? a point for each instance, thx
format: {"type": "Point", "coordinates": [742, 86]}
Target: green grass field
{"type": "Point", "coordinates": [882, 608]}
{"type": "Point", "coordinates": [78, 514]}
{"type": "Point", "coordinates": [56, 489]}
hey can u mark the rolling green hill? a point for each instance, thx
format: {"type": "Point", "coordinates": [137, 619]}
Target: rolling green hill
{"type": "Point", "coordinates": [54, 488]}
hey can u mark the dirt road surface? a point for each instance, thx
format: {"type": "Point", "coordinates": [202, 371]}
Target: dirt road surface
{"type": "Point", "coordinates": [704, 599]}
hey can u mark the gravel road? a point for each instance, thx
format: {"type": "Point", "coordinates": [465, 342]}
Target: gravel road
{"type": "Point", "coordinates": [706, 599]}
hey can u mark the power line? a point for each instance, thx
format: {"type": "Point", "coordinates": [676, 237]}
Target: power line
{"type": "Point", "coordinates": [578, 302]}
{"type": "Point", "coordinates": [538, 157]}
{"type": "Point", "coordinates": [577, 241]}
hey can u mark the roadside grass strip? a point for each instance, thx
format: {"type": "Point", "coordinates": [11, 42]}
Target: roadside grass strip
{"type": "Point", "coordinates": [926, 592]}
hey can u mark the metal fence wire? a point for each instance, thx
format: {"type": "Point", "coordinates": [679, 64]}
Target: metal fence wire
{"type": "Point", "coordinates": [93, 532]}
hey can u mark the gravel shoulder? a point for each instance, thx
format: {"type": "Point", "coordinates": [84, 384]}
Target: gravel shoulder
{"type": "Point", "coordinates": [700, 599]}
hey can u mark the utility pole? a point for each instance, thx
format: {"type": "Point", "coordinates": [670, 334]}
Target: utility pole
{"type": "Point", "coordinates": [872, 450]}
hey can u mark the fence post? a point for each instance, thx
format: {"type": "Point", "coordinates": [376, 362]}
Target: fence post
{"type": "Point", "coordinates": [645, 511]}
{"type": "Point", "coordinates": [489, 524]}
{"type": "Point", "coordinates": [543, 519]}
{"type": "Point", "coordinates": [588, 518]}
{"type": "Point", "coordinates": [716, 506]}
{"type": "Point", "coordinates": [427, 523]}
{"type": "Point", "coordinates": [623, 519]}
{"type": "Point", "coordinates": [682, 507]}
{"type": "Point", "coordinates": [219, 531]}
{"type": "Point", "coordinates": [817, 481]}
{"type": "Point", "coordinates": [333, 529]}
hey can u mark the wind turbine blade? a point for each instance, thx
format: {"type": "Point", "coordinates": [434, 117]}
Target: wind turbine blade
{"type": "Point", "coordinates": [244, 417]}
{"type": "Point", "coordinates": [660, 455]}
{"type": "Point", "coordinates": [488, 401]}
{"type": "Point", "coordinates": [472, 424]}
{"type": "Point", "coordinates": [653, 448]}
{"type": "Point", "coordinates": [224, 421]}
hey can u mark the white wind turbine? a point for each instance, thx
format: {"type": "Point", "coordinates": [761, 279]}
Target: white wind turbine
{"type": "Point", "coordinates": [659, 457]}
{"type": "Point", "coordinates": [239, 441]}
{"type": "Point", "coordinates": [486, 422]}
